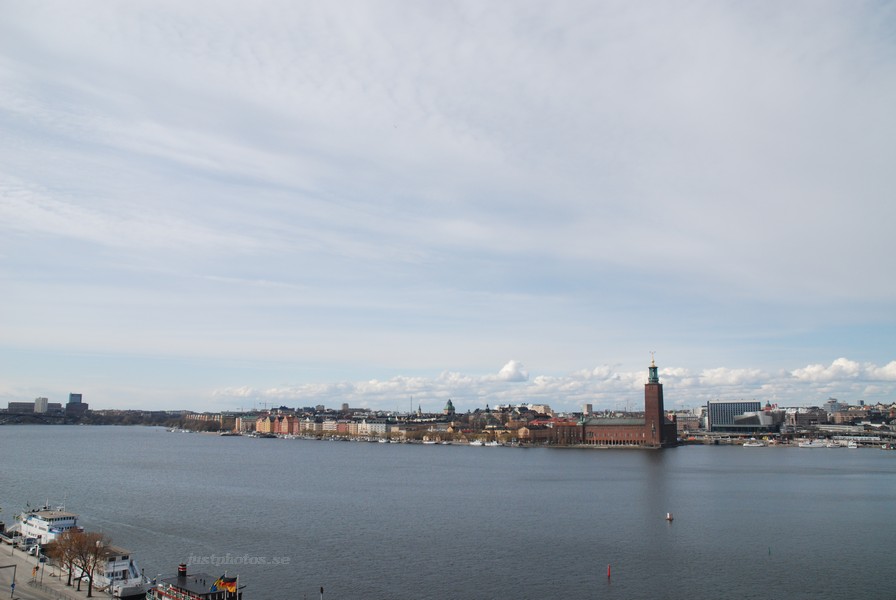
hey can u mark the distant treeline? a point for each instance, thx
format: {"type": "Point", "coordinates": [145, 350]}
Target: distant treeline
{"type": "Point", "coordinates": [123, 417]}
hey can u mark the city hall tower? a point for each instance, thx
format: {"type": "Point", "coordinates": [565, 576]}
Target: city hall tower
{"type": "Point", "coordinates": [656, 428]}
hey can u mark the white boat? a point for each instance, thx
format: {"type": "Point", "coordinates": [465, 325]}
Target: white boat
{"type": "Point", "coordinates": [753, 443]}
{"type": "Point", "coordinates": [44, 525]}
{"type": "Point", "coordinates": [811, 444]}
{"type": "Point", "coordinates": [832, 445]}
{"type": "Point", "coordinates": [852, 444]}
{"type": "Point", "coordinates": [492, 443]}
{"type": "Point", "coordinates": [476, 443]}
{"type": "Point", "coordinates": [119, 576]}
{"type": "Point", "coordinates": [429, 442]}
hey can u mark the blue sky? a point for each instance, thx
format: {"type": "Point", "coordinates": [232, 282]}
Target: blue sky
{"type": "Point", "coordinates": [219, 205]}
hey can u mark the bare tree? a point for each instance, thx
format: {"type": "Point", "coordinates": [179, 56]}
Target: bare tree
{"type": "Point", "coordinates": [92, 550]}
{"type": "Point", "coordinates": [64, 550]}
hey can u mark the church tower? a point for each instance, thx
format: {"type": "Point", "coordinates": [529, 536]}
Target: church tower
{"type": "Point", "coordinates": [654, 414]}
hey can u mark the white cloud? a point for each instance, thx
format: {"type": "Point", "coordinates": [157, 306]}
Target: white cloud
{"type": "Point", "coordinates": [885, 373]}
{"type": "Point", "coordinates": [722, 376]}
{"type": "Point", "coordinates": [841, 368]}
{"type": "Point", "coordinates": [613, 390]}
{"type": "Point", "coordinates": [513, 371]}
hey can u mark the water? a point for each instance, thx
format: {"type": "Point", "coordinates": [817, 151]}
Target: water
{"type": "Point", "coordinates": [417, 522]}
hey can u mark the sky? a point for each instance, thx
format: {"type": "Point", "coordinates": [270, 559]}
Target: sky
{"type": "Point", "coordinates": [221, 205]}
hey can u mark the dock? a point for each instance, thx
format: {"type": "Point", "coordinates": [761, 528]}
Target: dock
{"type": "Point", "coordinates": [35, 580]}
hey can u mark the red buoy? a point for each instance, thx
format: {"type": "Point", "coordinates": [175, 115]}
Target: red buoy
{"type": "Point", "coordinates": [608, 571]}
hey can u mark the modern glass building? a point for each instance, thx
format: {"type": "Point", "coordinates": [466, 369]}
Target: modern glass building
{"type": "Point", "coordinates": [721, 414]}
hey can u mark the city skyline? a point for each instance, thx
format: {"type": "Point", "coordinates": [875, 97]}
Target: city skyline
{"type": "Point", "coordinates": [209, 205]}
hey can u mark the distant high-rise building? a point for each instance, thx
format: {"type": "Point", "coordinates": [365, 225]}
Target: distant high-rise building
{"type": "Point", "coordinates": [587, 410]}
{"type": "Point", "coordinates": [720, 414]}
{"type": "Point", "coordinates": [76, 406]}
{"type": "Point", "coordinates": [40, 405]}
{"type": "Point", "coordinates": [833, 405]}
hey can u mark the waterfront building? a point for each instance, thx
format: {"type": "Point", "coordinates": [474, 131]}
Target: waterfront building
{"type": "Point", "coordinates": [766, 421]}
{"type": "Point", "coordinates": [76, 406]}
{"type": "Point", "coordinates": [687, 422]}
{"type": "Point", "coordinates": [376, 427]}
{"type": "Point", "coordinates": [721, 414]}
{"type": "Point", "coordinates": [20, 407]}
{"type": "Point", "coordinates": [265, 424]}
{"type": "Point", "coordinates": [310, 426]}
{"type": "Point", "coordinates": [245, 423]}
{"type": "Point", "coordinates": [805, 417]}
{"type": "Point", "coordinates": [849, 414]}
{"type": "Point", "coordinates": [534, 434]}
{"type": "Point", "coordinates": [449, 408]}
{"type": "Point", "coordinates": [40, 405]}
{"type": "Point", "coordinates": [652, 430]}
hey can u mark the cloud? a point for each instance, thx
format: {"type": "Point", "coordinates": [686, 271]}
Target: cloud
{"type": "Point", "coordinates": [841, 368]}
{"type": "Point", "coordinates": [722, 376]}
{"type": "Point", "coordinates": [513, 371]}
{"type": "Point", "coordinates": [885, 373]}
{"type": "Point", "coordinates": [602, 386]}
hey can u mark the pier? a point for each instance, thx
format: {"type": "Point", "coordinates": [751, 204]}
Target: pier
{"type": "Point", "coordinates": [35, 580]}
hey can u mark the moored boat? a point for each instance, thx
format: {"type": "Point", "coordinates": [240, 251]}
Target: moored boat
{"type": "Point", "coordinates": [118, 575]}
{"type": "Point", "coordinates": [198, 586]}
{"type": "Point", "coordinates": [43, 525]}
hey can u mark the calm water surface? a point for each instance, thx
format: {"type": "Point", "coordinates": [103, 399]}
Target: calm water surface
{"type": "Point", "coordinates": [417, 522]}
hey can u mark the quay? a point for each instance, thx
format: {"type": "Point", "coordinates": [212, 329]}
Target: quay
{"type": "Point", "coordinates": [35, 580]}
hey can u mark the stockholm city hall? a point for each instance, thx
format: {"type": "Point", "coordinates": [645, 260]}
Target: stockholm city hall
{"type": "Point", "coordinates": [654, 430]}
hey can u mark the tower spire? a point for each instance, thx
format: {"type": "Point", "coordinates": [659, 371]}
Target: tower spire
{"type": "Point", "coordinates": [652, 376]}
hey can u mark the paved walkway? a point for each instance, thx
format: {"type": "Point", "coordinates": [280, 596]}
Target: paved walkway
{"type": "Point", "coordinates": [41, 584]}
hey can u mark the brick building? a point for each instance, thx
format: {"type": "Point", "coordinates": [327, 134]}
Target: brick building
{"type": "Point", "coordinates": [653, 430]}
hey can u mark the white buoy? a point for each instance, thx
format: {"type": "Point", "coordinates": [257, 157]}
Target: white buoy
{"type": "Point", "coordinates": [669, 517]}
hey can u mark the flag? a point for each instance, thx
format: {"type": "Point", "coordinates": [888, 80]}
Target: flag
{"type": "Point", "coordinates": [224, 584]}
